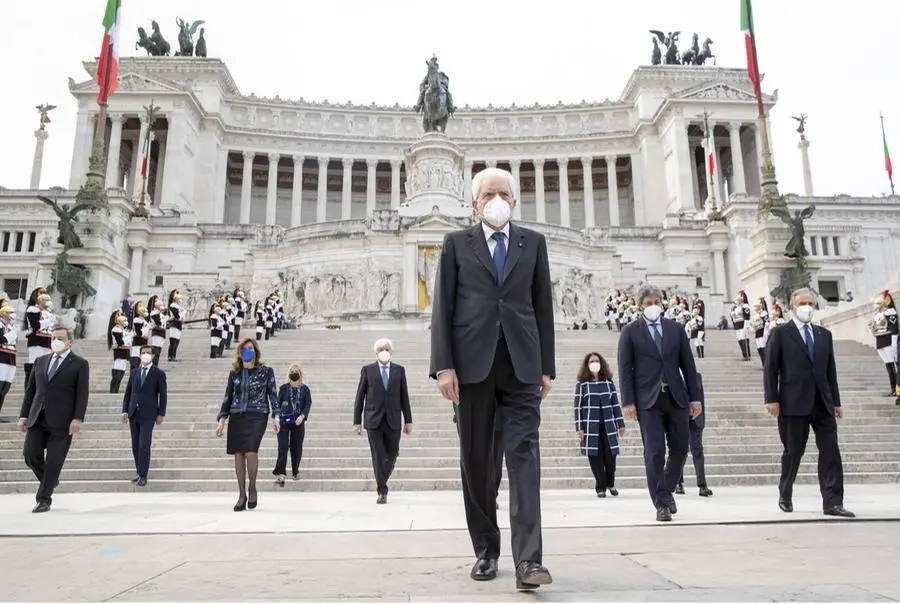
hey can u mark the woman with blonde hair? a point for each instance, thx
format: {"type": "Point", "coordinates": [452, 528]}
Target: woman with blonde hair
{"type": "Point", "coordinates": [294, 401]}
{"type": "Point", "coordinates": [250, 396]}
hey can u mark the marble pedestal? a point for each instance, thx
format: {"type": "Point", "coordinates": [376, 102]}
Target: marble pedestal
{"type": "Point", "coordinates": [762, 274]}
{"type": "Point", "coordinates": [434, 178]}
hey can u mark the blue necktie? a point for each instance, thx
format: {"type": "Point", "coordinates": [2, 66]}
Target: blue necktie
{"type": "Point", "coordinates": [809, 341]}
{"type": "Point", "coordinates": [657, 336]}
{"type": "Point", "coordinates": [499, 255]}
{"type": "Point", "coordinates": [384, 376]}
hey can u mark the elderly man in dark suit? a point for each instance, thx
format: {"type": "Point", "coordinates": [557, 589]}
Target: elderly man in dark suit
{"type": "Point", "coordinates": [56, 398]}
{"type": "Point", "coordinates": [143, 407]}
{"type": "Point", "coordinates": [493, 354]}
{"type": "Point", "coordinates": [382, 397]}
{"type": "Point", "coordinates": [659, 388]}
{"type": "Point", "coordinates": [800, 381]}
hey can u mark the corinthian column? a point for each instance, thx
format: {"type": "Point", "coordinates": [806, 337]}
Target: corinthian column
{"type": "Point", "coordinates": [395, 183]}
{"type": "Point", "coordinates": [563, 167]}
{"type": "Point", "coordinates": [272, 188]}
{"type": "Point", "coordinates": [113, 176]}
{"type": "Point", "coordinates": [247, 186]}
{"type": "Point", "coordinates": [515, 167]}
{"type": "Point", "coordinates": [297, 192]}
{"type": "Point", "coordinates": [586, 166]}
{"type": "Point", "coordinates": [737, 159]}
{"type": "Point", "coordinates": [347, 189]}
{"type": "Point", "coordinates": [612, 182]}
{"type": "Point", "coordinates": [371, 185]}
{"type": "Point", "coordinates": [539, 201]}
{"type": "Point", "coordinates": [322, 197]}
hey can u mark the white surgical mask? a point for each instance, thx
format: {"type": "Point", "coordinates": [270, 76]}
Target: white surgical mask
{"type": "Point", "coordinates": [384, 356]}
{"type": "Point", "coordinates": [652, 312]}
{"type": "Point", "coordinates": [804, 313]}
{"type": "Point", "coordinates": [48, 305]}
{"type": "Point", "coordinates": [146, 358]}
{"type": "Point", "coordinates": [57, 346]}
{"type": "Point", "coordinates": [594, 367]}
{"type": "Point", "coordinates": [497, 212]}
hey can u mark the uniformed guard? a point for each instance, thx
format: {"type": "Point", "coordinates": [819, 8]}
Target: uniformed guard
{"type": "Point", "coordinates": [740, 316]}
{"type": "Point", "coordinates": [884, 326]}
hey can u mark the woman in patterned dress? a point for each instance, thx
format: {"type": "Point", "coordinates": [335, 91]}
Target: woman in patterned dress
{"type": "Point", "coordinates": [598, 421]}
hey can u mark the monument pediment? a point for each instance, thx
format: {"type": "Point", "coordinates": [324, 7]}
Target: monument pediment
{"type": "Point", "coordinates": [437, 222]}
{"type": "Point", "coordinates": [717, 91]}
{"type": "Point", "coordinates": [132, 82]}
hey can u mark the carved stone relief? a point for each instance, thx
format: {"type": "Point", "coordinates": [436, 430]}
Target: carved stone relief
{"type": "Point", "coordinates": [577, 294]}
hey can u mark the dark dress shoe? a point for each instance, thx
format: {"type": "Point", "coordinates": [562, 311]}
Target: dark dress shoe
{"type": "Point", "coordinates": [663, 515]}
{"type": "Point", "coordinates": [382, 499]}
{"type": "Point", "coordinates": [601, 494]}
{"type": "Point", "coordinates": [613, 492]}
{"type": "Point", "coordinates": [484, 570]}
{"type": "Point", "coordinates": [135, 478]}
{"type": "Point", "coordinates": [786, 506]}
{"type": "Point", "coordinates": [252, 501]}
{"type": "Point", "coordinates": [142, 481]}
{"type": "Point", "coordinates": [839, 511]}
{"type": "Point", "coordinates": [41, 507]}
{"type": "Point", "coordinates": [241, 504]}
{"type": "Point", "coordinates": [531, 575]}
{"type": "Point", "coordinates": [673, 509]}
{"type": "Point", "coordinates": [679, 488]}
{"type": "Point", "coordinates": [705, 492]}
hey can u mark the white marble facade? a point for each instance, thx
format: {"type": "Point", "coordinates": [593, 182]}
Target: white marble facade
{"type": "Point", "coordinates": [306, 196]}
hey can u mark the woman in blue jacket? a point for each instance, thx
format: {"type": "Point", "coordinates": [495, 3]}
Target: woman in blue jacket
{"type": "Point", "coordinates": [294, 401]}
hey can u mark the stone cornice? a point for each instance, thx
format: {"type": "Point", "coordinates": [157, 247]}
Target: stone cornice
{"type": "Point", "coordinates": [670, 77]}
{"type": "Point", "coordinates": [166, 66]}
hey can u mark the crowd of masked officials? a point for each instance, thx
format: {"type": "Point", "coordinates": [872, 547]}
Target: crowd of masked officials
{"type": "Point", "coordinates": [159, 323]}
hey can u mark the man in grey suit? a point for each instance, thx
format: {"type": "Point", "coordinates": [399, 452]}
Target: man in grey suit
{"type": "Point", "coordinates": [493, 354]}
{"type": "Point", "coordinates": [659, 388]}
{"type": "Point", "coordinates": [56, 398]}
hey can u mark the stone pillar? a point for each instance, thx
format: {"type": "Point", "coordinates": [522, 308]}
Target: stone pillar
{"type": "Point", "coordinates": [137, 179]}
{"type": "Point", "coordinates": [37, 164]}
{"type": "Point", "coordinates": [683, 185]}
{"type": "Point", "coordinates": [467, 181]}
{"type": "Point", "coordinates": [587, 169]}
{"type": "Point", "coordinates": [637, 188]}
{"type": "Point", "coordinates": [83, 136]}
{"type": "Point", "coordinates": [218, 209]}
{"type": "Point", "coordinates": [515, 167]}
{"type": "Point", "coordinates": [739, 181]}
{"type": "Point", "coordinates": [347, 189]}
{"type": "Point", "coordinates": [322, 194]}
{"type": "Point", "coordinates": [719, 272]}
{"type": "Point", "coordinates": [695, 174]}
{"type": "Point", "coordinates": [247, 186]}
{"type": "Point", "coordinates": [113, 176]}
{"type": "Point", "coordinates": [612, 184]}
{"type": "Point", "coordinates": [491, 163]}
{"type": "Point", "coordinates": [540, 204]}
{"type": "Point", "coordinates": [297, 192]}
{"type": "Point", "coordinates": [803, 145]}
{"type": "Point", "coordinates": [395, 183]}
{"type": "Point", "coordinates": [563, 167]}
{"type": "Point", "coordinates": [161, 168]}
{"type": "Point", "coordinates": [272, 188]}
{"type": "Point", "coordinates": [137, 269]}
{"type": "Point", "coordinates": [371, 186]}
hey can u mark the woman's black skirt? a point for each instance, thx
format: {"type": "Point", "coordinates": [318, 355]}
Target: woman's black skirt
{"type": "Point", "coordinates": [245, 432]}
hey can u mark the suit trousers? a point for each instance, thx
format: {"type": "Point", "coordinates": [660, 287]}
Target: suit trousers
{"type": "Point", "coordinates": [603, 464]}
{"type": "Point", "coordinates": [794, 433]}
{"type": "Point", "coordinates": [664, 422]}
{"type": "Point", "coordinates": [40, 439]}
{"type": "Point", "coordinates": [696, 456]}
{"type": "Point", "coordinates": [384, 443]}
{"type": "Point", "coordinates": [290, 438]}
{"type": "Point", "coordinates": [501, 397]}
{"type": "Point", "coordinates": [498, 447]}
{"type": "Point", "coordinates": [141, 442]}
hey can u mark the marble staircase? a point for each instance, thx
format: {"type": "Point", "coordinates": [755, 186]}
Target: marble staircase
{"type": "Point", "coordinates": [741, 440]}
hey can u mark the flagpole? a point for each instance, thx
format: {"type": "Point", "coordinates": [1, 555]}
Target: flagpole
{"type": "Point", "coordinates": [141, 210]}
{"type": "Point", "coordinates": [887, 154]}
{"type": "Point", "coordinates": [770, 196]}
{"type": "Point", "coordinates": [708, 135]}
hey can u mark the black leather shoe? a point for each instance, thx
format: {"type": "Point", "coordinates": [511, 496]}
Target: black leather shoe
{"type": "Point", "coordinates": [531, 575]}
{"type": "Point", "coordinates": [41, 507]}
{"type": "Point", "coordinates": [142, 481]}
{"type": "Point", "coordinates": [786, 506]}
{"type": "Point", "coordinates": [673, 509]}
{"type": "Point", "coordinates": [484, 570]}
{"type": "Point", "coordinates": [706, 492]}
{"type": "Point", "coordinates": [663, 515]}
{"type": "Point", "coordinates": [613, 492]}
{"type": "Point", "coordinates": [679, 488]}
{"type": "Point", "coordinates": [839, 511]}
{"type": "Point", "coordinates": [135, 478]}
{"type": "Point", "coordinates": [601, 494]}
{"type": "Point", "coordinates": [382, 499]}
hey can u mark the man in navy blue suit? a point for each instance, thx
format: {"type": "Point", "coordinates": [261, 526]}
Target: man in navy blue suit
{"type": "Point", "coordinates": [144, 407]}
{"type": "Point", "coordinates": [659, 388]}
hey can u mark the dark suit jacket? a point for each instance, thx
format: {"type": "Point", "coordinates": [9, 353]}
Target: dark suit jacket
{"type": "Point", "coordinates": [62, 398]}
{"type": "Point", "coordinates": [792, 379]}
{"type": "Point", "coordinates": [373, 401]}
{"type": "Point", "coordinates": [469, 308]}
{"type": "Point", "coordinates": [642, 369]}
{"type": "Point", "coordinates": [150, 399]}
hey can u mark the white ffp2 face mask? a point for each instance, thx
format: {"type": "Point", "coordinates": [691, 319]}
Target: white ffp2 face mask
{"type": "Point", "coordinates": [146, 358]}
{"type": "Point", "coordinates": [594, 367]}
{"type": "Point", "coordinates": [384, 356]}
{"type": "Point", "coordinates": [804, 313]}
{"type": "Point", "coordinates": [497, 212]}
{"type": "Point", "coordinates": [57, 346]}
{"type": "Point", "coordinates": [652, 312]}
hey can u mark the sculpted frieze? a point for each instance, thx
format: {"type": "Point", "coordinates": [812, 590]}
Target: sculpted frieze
{"type": "Point", "coordinates": [577, 294]}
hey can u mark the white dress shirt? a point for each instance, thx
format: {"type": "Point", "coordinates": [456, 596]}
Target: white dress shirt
{"type": "Point", "coordinates": [489, 236]}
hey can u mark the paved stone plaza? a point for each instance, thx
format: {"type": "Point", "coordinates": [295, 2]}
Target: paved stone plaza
{"type": "Point", "coordinates": [735, 546]}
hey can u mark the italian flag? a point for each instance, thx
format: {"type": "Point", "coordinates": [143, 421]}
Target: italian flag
{"type": "Point", "coordinates": [750, 42]}
{"type": "Point", "coordinates": [145, 154]}
{"type": "Point", "coordinates": [108, 67]}
{"type": "Point", "coordinates": [887, 155]}
{"type": "Point", "coordinates": [711, 152]}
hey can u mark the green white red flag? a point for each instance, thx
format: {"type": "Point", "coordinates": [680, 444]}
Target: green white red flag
{"type": "Point", "coordinates": [750, 43]}
{"type": "Point", "coordinates": [108, 66]}
{"type": "Point", "coordinates": [145, 154]}
{"type": "Point", "coordinates": [711, 152]}
{"type": "Point", "coordinates": [887, 155]}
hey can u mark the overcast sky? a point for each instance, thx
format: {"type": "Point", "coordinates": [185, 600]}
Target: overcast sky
{"type": "Point", "coordinates": [834, 61]}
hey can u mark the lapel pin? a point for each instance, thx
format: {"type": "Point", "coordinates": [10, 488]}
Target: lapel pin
{"type": "Point", "coordinates": [521, 244]}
